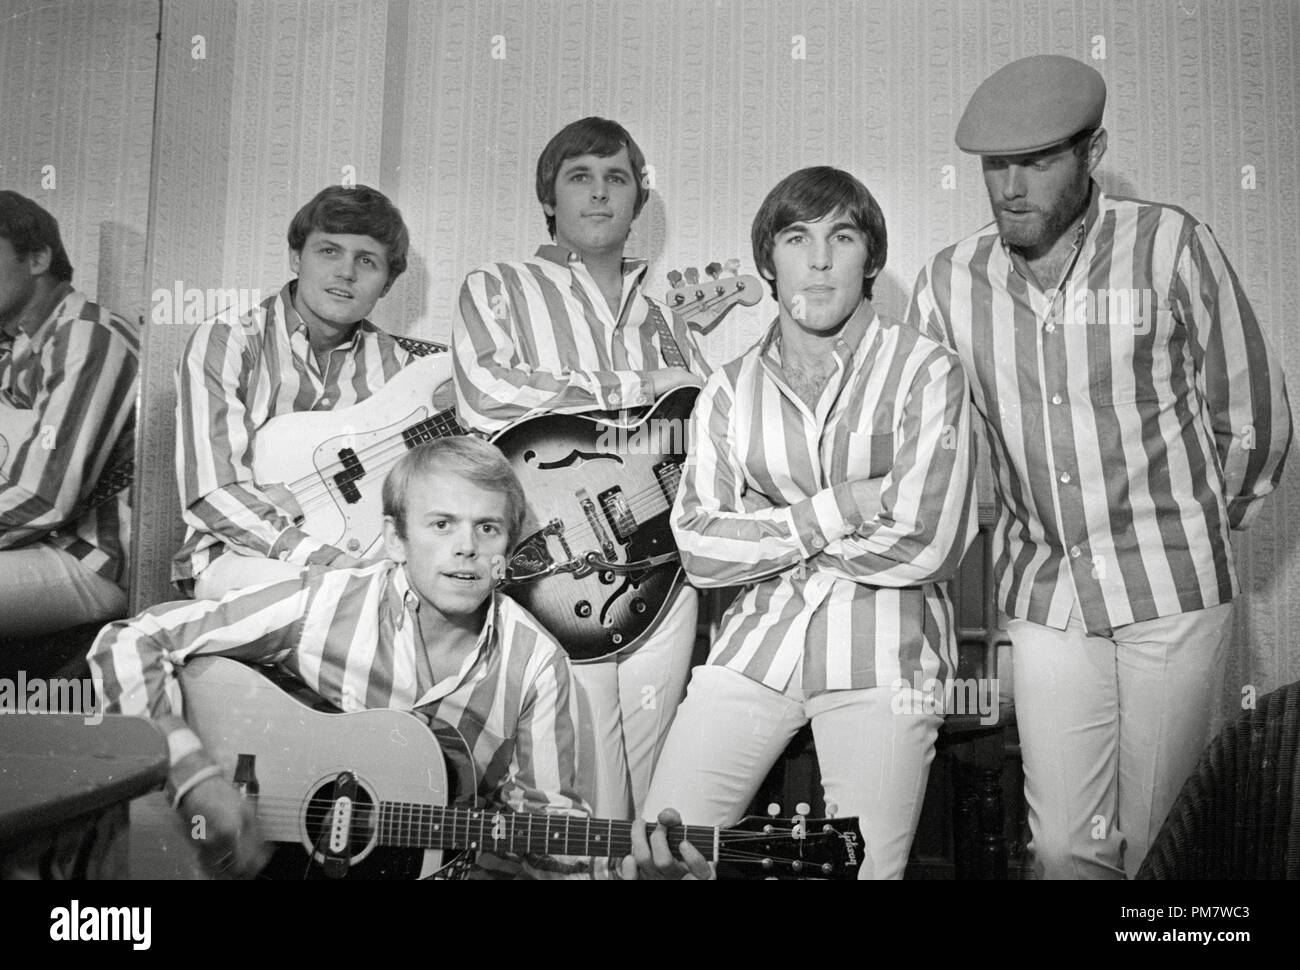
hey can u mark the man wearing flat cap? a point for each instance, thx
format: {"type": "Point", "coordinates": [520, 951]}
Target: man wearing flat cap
{"type": "Point", "coordinates": [1134, 415]}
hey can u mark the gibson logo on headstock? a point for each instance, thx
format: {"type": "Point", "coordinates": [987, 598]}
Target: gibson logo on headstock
{"type": "Point", "coordinates": [850, 841]}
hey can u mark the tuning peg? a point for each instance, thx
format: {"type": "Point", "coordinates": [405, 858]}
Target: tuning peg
{"type": "Point", "coordinates": [733, 266]}
{"type": "Point", "coordinates": [803, 808]}
{"type": "Point", "coordinates": [713, 270]}
{"type": "Point", "coordinates": [832, 809]}
{"type": "Point", "coordinates": [674, 278]}
{"type": "Point", "coordinates": [774, 809]}
{"type": "Point", "coordinates": [692, 275]}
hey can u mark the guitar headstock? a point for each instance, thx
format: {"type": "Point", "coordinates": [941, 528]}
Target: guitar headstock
{"type": "Point", "coordinates": [703, 303]}
{"type": "Point", "coordinates": [794, 848]}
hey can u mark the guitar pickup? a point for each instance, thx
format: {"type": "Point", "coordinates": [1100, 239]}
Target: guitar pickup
{"type": "Point", "coordinates": [593, 519]}
{"type": "Point", "coordinates": [614, 504]}
{"type": "Point", "coordinates": [352, 471]}
{"type": "Point", "coordinates": [669, 476]}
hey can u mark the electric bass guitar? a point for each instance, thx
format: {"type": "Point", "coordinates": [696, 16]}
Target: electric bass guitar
{"type": "Point", "coordinates": [369, 794]}
{"type": "Point", "coordinates": [334, 462]}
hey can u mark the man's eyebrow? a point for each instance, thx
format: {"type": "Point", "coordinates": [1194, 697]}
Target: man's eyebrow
{"type": "Point", "coordinates": [327, 241]}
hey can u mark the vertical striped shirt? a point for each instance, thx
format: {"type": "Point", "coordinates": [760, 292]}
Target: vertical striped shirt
{"type": "Point", "coordinates": [350, 635]}
{"type": "Point", "coordinates": [1134, 415]}
{"type": "Point", "coordinates": [75, 380]}
{"type": "Point", "coordinates": [537, 336]}
{"type": "Point", "coordinates": [235, 377]}
{"type": "Point", "coordinates": [853, 594]}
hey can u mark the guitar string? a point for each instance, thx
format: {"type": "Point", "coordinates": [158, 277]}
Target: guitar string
{"type": "Point", "coordinates": [686, 310]}
{"type": "Point", "coordinates": [649, 499]}
{"type": "Point", "coordinates": [391, 447]}
{"type": "Point", "coordinates": [618, 837]}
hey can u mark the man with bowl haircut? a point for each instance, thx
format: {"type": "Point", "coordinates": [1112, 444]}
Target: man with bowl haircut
{"type": "Point", "coordinates": [1135, 415]}
{"type": "Point", "coordinates": [424, 630]}
{"type": "Point", "coordinates": [68, 384]}
{"type": "Point", "coordinates": [830, 477]}
{"type": "Point", "coordinates": [572, 331]}
{"type": "Point", "coordinates": [308, 348]}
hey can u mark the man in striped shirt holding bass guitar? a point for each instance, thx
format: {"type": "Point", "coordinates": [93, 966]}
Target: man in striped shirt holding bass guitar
{"type": "Point", "coordinates": [830, 477]}
{"type": "Point", "coordinates": [308, 348]}
{"type": "Point", "coordinates": [1135, 415]}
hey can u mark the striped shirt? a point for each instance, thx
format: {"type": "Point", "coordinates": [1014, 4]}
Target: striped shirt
{"type": "Point", "coordinates": [75, 378]}
{"type": "Point", "coordinates": [235, 377]}
{"type": "Point", "coordinates": [853, 594]}
{"type": "Point", "coordinates": [350, 635]}
{"type": "Point", "coordinates": [537, 337]}
{"type": "Point", "coordinates": [1134, 415]}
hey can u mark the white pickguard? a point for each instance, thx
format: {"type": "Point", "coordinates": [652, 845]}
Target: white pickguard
{"type": "Point", "coordinates": [302, 452]}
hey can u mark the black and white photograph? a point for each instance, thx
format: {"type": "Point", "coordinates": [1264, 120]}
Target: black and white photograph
{"type": "Point", "coordinates": [650, 440]}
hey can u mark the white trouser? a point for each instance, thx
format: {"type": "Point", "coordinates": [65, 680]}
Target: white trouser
{"type": "Point", "coordinates": [874, 762]}
{"type": "Point", "coordinates": [231, 571]}
{"type": "Point", "coordinates": [625, 707]}
{"type": "Point", "coordinates": [44, 589]}
{"type": "Point", "coordinates": [1110, 729]}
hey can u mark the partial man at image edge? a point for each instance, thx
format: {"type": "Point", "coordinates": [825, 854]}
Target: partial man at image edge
{"type": "Point", "coordinates": [68, 380]}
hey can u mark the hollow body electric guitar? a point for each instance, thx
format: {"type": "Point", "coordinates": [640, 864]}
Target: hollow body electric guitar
{"type": "Point", "coordinates": [369, 794]}
{"type": "Point", "coordinates": [334, 462]}
{"type": "Point", "coordinates": [599, 564]}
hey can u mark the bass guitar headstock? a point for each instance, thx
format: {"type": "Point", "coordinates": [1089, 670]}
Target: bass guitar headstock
{"type": "Point", "coordinates": [703, 303]}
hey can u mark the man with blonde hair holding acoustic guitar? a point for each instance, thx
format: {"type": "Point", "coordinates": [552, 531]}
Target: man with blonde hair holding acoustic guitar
{"type": "Point", "coordinates": [422, 631]}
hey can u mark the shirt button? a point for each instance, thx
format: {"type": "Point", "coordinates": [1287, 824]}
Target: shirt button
{"type": "Point", "coordinates": [615, 397]}
{"type": "Point", "coordinates": [1065, 478]}
{"type": "Point", "coordinates": [325, 402]}
{"type": "Point", "coordinates": [1050, 328]}
{"type": "Point", "coordinates": [1056, 399]}
{"type": "Point", "coordinates": [1075, 552]}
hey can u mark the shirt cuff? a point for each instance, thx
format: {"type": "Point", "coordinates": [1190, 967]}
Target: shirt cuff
{"type": "Point", "coordinates": [299, 549]}
{"type": "Point", "coordinates": [823, 518]}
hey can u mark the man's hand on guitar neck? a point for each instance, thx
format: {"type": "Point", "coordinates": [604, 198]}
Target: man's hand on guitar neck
{"type": "Point", "coordinates": [667, 379]}
{"type": "Point", "coordinates": [224, 825]}
{"type": "Point", "coordinates": [653, 859]}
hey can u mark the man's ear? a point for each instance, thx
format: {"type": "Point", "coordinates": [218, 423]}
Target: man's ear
{"type": "Point", "coordinates": [548, 208]}
{"type": "Point", "coordinates": [767, 274]}
{"type": "Point", "coordinates": [39, 260]}
{"type": "Point", "coordinates": [295, 260]}
{"type": "Point", "coordinates": [393, 543]}
{"type": "Point", "coordinates": [1096, 149]}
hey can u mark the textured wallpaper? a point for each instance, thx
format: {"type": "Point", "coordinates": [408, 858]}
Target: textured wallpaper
{"type": "Point", "coordinates": [76, 105]}
{"type": "Point", "coordinates": [445, 106]}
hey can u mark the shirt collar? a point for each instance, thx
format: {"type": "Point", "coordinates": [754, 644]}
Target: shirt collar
{"type": "Point", "coordinates": [403, 602]}
{"type": "Point", "coordinates": [56, 303]}
{"type": "Point", "coordinates": [563, 256]}
{"type": "Point", "coordinates": [846, 345]}
{"type": "Point", "coordinates": [1082, 233]}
